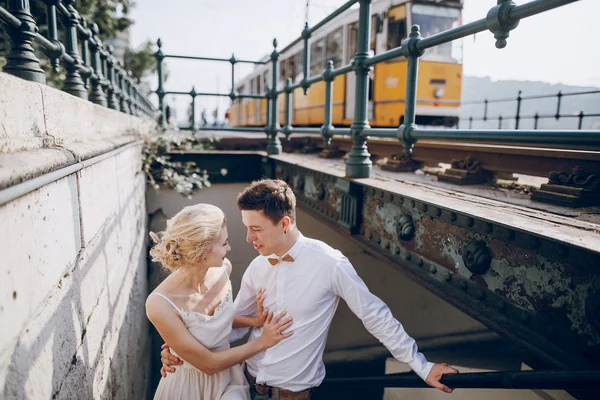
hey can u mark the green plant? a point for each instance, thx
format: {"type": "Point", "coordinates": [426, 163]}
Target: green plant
{"type": "Point", "coordinates": [161, 169]}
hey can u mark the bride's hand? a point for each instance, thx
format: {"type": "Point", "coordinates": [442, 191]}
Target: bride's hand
{"type": "Point", "coordinates": [273, 329]}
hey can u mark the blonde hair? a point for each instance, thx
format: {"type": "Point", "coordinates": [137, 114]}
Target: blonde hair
{"type": "Point", "coordinates": [190, 234]}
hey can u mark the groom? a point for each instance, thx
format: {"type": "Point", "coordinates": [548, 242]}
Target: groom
{"type": "Point", "coordinates": [306, 278]}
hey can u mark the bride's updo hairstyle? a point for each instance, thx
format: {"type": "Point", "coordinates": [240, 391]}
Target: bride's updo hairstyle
{"type": "Point", "coordinates": [189, 236]}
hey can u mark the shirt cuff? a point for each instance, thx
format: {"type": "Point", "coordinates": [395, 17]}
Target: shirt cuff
{"type": "Point", "coordinates": [237, 334]}
{"type": "Point", "coordinates": [421, 366]}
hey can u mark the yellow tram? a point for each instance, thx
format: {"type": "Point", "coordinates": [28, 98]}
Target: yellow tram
{"type": "Point", "coordinates": [440, 70]}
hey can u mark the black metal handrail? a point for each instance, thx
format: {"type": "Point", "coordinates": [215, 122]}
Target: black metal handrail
{"type": "Point", "coordinates": [541, 380]}
{"type": "Point", "coordinates": [84, 54]}
{"type": "Point", "coordinates": [536, 116]}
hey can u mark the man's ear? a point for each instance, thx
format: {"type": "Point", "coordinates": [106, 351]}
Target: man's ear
{"type": "Point", "coordinates": [286, 222]}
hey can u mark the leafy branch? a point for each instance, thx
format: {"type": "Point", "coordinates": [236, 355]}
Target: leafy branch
{"type": "Point", "coordinates": [161, 169]}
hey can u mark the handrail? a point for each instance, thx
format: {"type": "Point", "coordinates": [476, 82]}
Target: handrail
{"type": "Point", "coordinates": [500, 20]}
{"type": "Point", "coordinates": [111, 86]}
{"type": "Point", "coordinates": [536, 117]}
{"type": "Point", "coordinates": [541, 380]}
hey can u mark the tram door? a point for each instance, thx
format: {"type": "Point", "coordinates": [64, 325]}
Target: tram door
{"type": "Point", "coordinates": [351, 44]}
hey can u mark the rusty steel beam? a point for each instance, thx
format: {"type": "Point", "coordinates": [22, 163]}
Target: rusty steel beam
{"type": "Point", "coordinates": [534, 281]}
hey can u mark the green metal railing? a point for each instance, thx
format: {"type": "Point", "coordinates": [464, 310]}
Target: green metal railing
{"type": "Point", "coordinates": [536, 116]}
{"type": "Point", "coordinates": [160, 57]}
{"type": "Point", "coordinates": [84, 54]}
{"type": "Point", "coordinates": [500, 20]}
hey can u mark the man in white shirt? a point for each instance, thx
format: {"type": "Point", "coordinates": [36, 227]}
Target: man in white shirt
{"type": "Point", "coordinates": [306, 278]}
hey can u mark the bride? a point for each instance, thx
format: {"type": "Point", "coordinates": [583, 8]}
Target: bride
{"type": "Point", "coordinates": [192, 309]}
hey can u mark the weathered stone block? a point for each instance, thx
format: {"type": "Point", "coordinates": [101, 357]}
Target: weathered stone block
{"type": "Point", "coordinates": [41, 238]}
{"type": "Point", "coordinates": [22, 115]}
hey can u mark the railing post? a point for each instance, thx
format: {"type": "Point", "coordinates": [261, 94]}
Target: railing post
{"type": "Point", "coordinates": [559, 98]}
{"type": "Point", "coordinates": [536, 117]}
{"type": "Point", "coordinates": [359, 164]}
{"type": "Point", "coordinates": [73, 82]}
{"type": "Point", "coordinates": [97, 96]}
{"type": "Point", "coordinates": [306, 58]}
{"type": "Point", "coordinates": [113, 90]}
{"type": "Point", "coordinates": [327, 125]}
{"type": "Point", "coordinates": [131, 94]}
{"type": "Point", "coordinates": [59, 50]}
{"type": "Point", "coordinates": [485, 109]}
{"type": "Point", "coordinates": [499, 22]}
{"type": "Point", "coordinates": [410, 102]}
{"type": "Point", "coordinates": [21, 61]}
{"type": "Point", "coordinates": [160, 90]}
{"type": "Point", "coordinates": [273, 142]}
{"type": "Point", "coordinates": [471, 122]}
{"type": "Point", "coordinates": [518, 116]}
{"type": "Point", "coordinates": [581, 115]}
{"type": "Point", "coordinates": [287, 129]}
{"type": "Point", "coordinates": [232, 94]}
{"type": "Point", "coordinates": [193, 93]}
{"type": "Point", "coordinates": [500, 121]}
{"type": "Point", "coordinates": [122, 83]}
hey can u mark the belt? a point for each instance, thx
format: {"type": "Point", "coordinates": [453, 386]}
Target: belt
{"type": "Point", "coordinates": [275, 392]}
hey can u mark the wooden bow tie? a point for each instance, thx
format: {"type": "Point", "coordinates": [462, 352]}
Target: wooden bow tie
{"type": "Point", "coordinates": [275, 261]}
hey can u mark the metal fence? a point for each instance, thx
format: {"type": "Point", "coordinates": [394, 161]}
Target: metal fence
{"type": "Point", "coordinates": [500, 20]}
{"type": "Point", "coordinates": [85, 56]}
{"type": "Point", "coordinates": [579, 116]}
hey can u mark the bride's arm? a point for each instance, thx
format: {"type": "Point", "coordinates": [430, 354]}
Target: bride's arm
{"type": "Point", "coordinates": [173, 331]}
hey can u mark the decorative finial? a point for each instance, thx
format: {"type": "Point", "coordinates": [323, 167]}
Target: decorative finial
{"type": "Point", "coordinates": [159, 43]}
{"type": "Point", "coordinates": [275, 43]}
{"type": "Point", "coordinates": [94, 28]}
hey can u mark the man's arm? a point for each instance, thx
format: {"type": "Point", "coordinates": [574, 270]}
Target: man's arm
{"type": "Point", "coordinates": [379, 321]}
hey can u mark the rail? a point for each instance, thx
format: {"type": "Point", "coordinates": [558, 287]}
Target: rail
{"type": "Point", "coordinates": [84, 54]}
{"type": "Point", "coordinates": [536, 116]}
{"type": "Point", "coordinates": [500, 20]}
{"type": "Point", "coordinates": [533, 380]}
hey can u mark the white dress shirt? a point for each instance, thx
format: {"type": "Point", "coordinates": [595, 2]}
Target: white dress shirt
{"type": "Point", "coordinates": [309, 289]}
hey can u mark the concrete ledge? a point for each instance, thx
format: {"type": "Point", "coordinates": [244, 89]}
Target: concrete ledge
{"type": "Point", "coordinates": [43, 129]}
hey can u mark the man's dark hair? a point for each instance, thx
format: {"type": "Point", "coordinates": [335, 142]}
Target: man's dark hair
{"type": "Point", "coordinates": [273, 197]}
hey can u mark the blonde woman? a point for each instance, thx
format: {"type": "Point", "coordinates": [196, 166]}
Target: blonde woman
{"type": "Point", "coordinates": [193, 311]}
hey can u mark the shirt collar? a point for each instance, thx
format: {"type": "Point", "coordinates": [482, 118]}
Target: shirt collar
{"type": "Point", "coordinates": [295, 250]}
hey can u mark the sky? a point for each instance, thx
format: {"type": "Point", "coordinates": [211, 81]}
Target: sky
{"type": "Point", "coordinates": [558, 46]}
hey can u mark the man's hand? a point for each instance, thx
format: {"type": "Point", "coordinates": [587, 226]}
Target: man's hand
{"type": "Point", "coordinates": [435, 375]}
{"type": "Point", "coordinates": [168, 360]}
{"type": "Point", "coordinates": [261, 312]}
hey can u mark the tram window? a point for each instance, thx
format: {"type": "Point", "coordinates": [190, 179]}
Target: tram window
{"type": "Point", "coordinates": [373, 32]}
{"type": "Point", "coordinates": [265, 81]}
{"type": "Point", "coordinates": [291, 68]}
{"type": "Point", "coordinates": [396, 26]}
{"type": "Point", "coordinates": [298, 66]}
{"type": "Point", "coordinates": [257, 84]}
{"type": "Point", "coordinates": [334, 47]}
{"type": "Point", "coordinates": [317, 54]}
{"type": "Point", "coordinates": [433, 20]}
{"type": "Point", "coordinates": [283, 69]}
{"type": "Point", "coordinates": [352, 37]}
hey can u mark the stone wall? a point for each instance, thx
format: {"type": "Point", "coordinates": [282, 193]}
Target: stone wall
{"type": "Point", "coordinates": [73, 271]}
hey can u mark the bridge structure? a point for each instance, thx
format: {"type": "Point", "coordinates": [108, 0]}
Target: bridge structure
{"type": "Point", "coordinates": [521, 261]}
